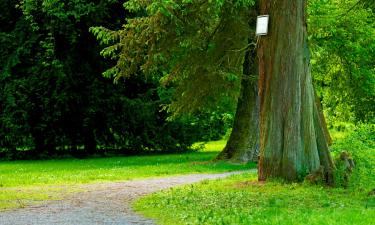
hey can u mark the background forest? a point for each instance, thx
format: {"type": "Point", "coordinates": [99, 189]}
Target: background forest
{"type": "Point", "coordinates": [55, 101]}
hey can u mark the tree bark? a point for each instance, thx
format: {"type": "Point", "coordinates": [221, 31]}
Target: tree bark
{"type": "Point", "coordinates": [243, 143]}
{"type": "Point", "coordinates": [323, 120]}
{"type": "Point", "coordinates": [293, 142]}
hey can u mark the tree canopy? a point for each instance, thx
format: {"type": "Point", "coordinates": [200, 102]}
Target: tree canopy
{"type": "Point", "coordinates": [186, 42]}
{"type": "Point", "coordinates": [193, 43]}
{"type": "Point", "coordinates": [342, 38]}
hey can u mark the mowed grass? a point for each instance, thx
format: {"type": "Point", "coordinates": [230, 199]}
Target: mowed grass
{"type": "Point", "coordinates": [240, 199]}
{"type": "Point", "coordinates": [24, 182]}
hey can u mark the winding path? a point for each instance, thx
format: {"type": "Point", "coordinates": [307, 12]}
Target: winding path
{"type": "Point", "coordinates": [106, 203]}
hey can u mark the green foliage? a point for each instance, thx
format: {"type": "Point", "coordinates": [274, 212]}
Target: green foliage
{"type": "Point", "coordinates": [187, 44]}
{"type": "Point", "coordinates": [211, 124]}
{"type": "Point", "coordinates": [361, 145]}
{"type": "Point", "coordinates": [53, 98]}
{"type": "Point", "coordinates": [48, 75]}
{"type": "Point", "coordinates": [342, 39]}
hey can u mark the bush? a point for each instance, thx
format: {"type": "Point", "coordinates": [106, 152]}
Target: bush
{"type": "Point", "coordinates": [360, 144]}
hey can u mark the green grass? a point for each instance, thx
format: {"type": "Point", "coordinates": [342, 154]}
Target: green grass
{"type": "Point", "coordinates": [75, 171]}
{"type": "Point", "coordinates": [19, 197]}
{"type": "Point", "coordinates": [21, 182]}
{"type": "Point", "coordinates": [240, 199]}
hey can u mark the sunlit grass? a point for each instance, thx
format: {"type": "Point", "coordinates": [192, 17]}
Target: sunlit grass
{"type": "Point", "coordinates": [19, 197]}
{"type": "Point", "coordinates": [339, 135]}
{"type": "Point", "coordinates": [240, 199]}
{"type": "Point", "coordinates": [21, 181]}
{"type": "Point", "coordinates": [341, 130]}
{"type": "Point", "coordinates": [212, 146]}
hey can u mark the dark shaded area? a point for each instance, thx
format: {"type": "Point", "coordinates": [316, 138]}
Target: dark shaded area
{"type": "Point", "coordinates": [54, 100]}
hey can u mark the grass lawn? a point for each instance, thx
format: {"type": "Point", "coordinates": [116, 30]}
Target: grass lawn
{"type": "Point", "coordinates": [240, 199]}
{"type": "Point", "coordinates": [25, 182]}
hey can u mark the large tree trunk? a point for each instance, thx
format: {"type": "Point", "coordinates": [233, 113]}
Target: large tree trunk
{"type": "Point", "coordinates": [323, 120]}
{"type": "Point", "coordinates": [243, 143]}
{"type": "Point", "coordinates": [293, 139]}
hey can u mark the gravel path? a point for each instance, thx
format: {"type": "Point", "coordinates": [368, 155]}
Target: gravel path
{"type": "Point", "coordinates": [107, 203]}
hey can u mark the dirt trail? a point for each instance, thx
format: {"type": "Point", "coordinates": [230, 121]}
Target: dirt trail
{"type": "Point", "coordinates": [107, 203]}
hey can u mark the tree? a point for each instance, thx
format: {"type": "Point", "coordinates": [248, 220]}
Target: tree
{"type": "Point", "coordinates": [193, 45]}
{"type": "Point", "coordinates": [342, 39]}
{"type": "Point", "coordinates": [243, 143]}
{"type": "Point", "coordinates": [53, 97]}
{"type": "Point", "coordinates": [293, 142]}
{"type": "Point", "coordinates": [198, 57]}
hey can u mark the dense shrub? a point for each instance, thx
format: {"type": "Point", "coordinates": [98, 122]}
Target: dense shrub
{"type": "Point", "coordinates": [361, 146]}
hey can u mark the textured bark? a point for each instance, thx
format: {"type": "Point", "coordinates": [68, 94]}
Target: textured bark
{"type": "Point", "coordinates": [243, 143]}
{"type": "Point", "coordinates": [293, 142]}
{"type": "Point", "coordinates": [323, 120]}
